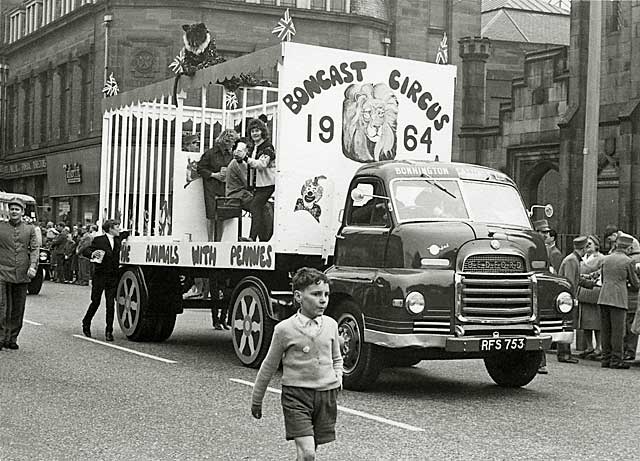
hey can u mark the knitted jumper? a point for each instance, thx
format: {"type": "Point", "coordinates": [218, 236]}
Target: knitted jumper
{"type": "Point", "coordinates": [312, 362]}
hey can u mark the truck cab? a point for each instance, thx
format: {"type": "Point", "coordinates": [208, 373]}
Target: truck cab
{"type": "Point", "coordinates": [439, 261]}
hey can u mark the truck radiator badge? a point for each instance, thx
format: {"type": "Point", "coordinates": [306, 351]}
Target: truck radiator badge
{"type": "Point", "coordinates": [435, 249]}
{"type": "Point", "coordinates": [495, 244]}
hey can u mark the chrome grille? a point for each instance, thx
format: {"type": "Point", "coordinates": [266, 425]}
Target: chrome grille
{"type": "Point", "coordinates": [494, 264]}
{"type": "Point", "coordinates": [496, 297]}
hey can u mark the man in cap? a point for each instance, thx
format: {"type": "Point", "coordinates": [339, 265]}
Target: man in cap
{"type": "Point", "coordinates": [19, 249]}
{"type": "Point", "coordinates": [617, 270]}
{"type": "Point", "coordinates": [570, 269]}
{"type": "Point", "coordinates": [549, 237]}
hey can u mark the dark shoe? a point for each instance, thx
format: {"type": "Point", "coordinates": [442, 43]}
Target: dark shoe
{"type": "Point", "coordinates": [594, 356]}
{"type": "Point", "coordinates": [86, 330]}
{"type": "Point", "coordinates": [226, 327]}
{"type": "Point", "coordinates": [605, 365]}
{"type": "Point", "coordinates": [543, 371]}
{"type": "Point", "coordinates": [15, 347]}
{"type": "Point", "coordinates": [108, 337]}
{"type": "Point", "coordinates": [629, 357]}
{"type": "Point", "coordinates": [568, 359]}
{"type": "Point", "coordinates": [586, 354]}
{"type": "Point", "coordinates": [217, 327]}
{"type": "Point", "coordinates": [620, 366]}
{"type": "Point", "coordinates": [1, 345]}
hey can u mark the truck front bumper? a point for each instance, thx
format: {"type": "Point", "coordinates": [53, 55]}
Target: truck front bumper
{"type": "Point", "coordinates": [447, 342]}
{"type": "Point", "coordinates": [476, 344]}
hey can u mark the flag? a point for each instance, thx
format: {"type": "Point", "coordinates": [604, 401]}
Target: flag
{"type": "Point", "coordinates": [230, 100]}
{"type": "Point", "coordinates": [110, 87]}
{"type": "Point", "coordinates": [442, 56]}
{"type": "Point", "coordinates": [176, 64]}
{"type": "Point", "coordinates": [285, 28]}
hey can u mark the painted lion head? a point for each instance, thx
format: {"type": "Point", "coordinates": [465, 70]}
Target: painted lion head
{"type": "Point", "coordinates": [369, 122]}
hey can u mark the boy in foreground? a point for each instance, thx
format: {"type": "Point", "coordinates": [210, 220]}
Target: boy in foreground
{"type": "Point", "coordinates": [307, 344]}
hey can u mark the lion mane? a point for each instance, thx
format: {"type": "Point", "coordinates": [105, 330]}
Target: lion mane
{"type": "Point", "coordinates": [369, 122]}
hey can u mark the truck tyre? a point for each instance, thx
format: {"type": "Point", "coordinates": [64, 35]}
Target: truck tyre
{"type": "Point", "coordinates": [251, 326]}
{"type": "Point", "coordinates": [36, 283]}
{"type": "Point", "coordinates": [361, 361]}
{"type": "Point", "coordinates": [513, 369]}
{"type": "Point", "coordinates": [135, 314]}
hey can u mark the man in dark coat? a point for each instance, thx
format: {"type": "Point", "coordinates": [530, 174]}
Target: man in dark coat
{"type": "Point", "coordinates": [57, 252]}
{"type": "Point", "coordinates": [617, 271]}
{"type": "Point", "coordinates": [104, 252]}
{"type": "Point", "coordinates": [570, 269]}
{"type": "Point", "coordinates": [549, 235]}
{"type": "Point", "coordinates": [19, 250]}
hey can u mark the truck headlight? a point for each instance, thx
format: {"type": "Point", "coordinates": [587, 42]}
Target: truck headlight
{"type": "Point", "coordinates": [564, 302]}
{"type": "Point", "coordinates": [415, 302]}
{"type": "Point", "coordinates": [43, 256]}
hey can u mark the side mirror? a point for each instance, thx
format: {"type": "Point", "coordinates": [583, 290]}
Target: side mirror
{"type": "Point", "coordinates": [357, 195]}
{"type": "Point", "coordinates": [548, 210]}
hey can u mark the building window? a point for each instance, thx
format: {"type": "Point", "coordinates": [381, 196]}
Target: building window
{"type": "Point", "coordinates": [11, 118]}
{"type": "Point", "coordinates": [33, 16]}
{"type": "Point", "coordinates": [65, 93]}
{"type": "Point", "coordinates": [16, 26]}
{"type": "Point", "coordinates": [339, 6]}
{"type": "Point", "coordinates": [318, 4]}
{"type": "Point", "coordinates": [27, 87]}
{"type": "Point", "coordinates": [437, 14]}
{"type": "Point", "coordinates": [45, 88]}
{"type": "Point", "coordinates": [85, 96]}
{"type": "Point", "coordinates": [615, 16]}
{"type": "Point", "coordinates": [289, 3]}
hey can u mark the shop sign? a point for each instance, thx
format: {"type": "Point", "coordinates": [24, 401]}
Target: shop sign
{"type": "Point", "coordinates": [29, 166]}
{"type": "Point", "coordinates": [73, 173]}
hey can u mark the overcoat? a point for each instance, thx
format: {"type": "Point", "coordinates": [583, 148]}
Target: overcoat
{"type": "Point", "coordinates": [617, 270]}
{"type": "Point", "coordinates": [19, 250]}
{"type": "Point", "coordinates": [211, 162]}
{"type": "Point", "coordinates": [570, 269]}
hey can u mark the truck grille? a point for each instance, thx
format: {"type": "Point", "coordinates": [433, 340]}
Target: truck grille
{"type": "Point", "coordinates": [496, 297]}
{"type": "Point", "coordinates": [494, 264]}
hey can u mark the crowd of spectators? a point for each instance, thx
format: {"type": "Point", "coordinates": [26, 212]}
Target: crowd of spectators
{"type": "Point", "coordinates": [606, 286]}
{"type": "Point", "coordinates": [66, 244]}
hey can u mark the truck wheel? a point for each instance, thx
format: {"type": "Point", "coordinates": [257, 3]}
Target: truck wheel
{"type": "Point", "coordinates": [513, 369]}
{"type": "Point", "coordinates": [134, 312]}
{"type": "Point", "coordinates": [36, 283]}
{"type": "Point", "coordinates": [361, 361]}
{"type": "Point", "coordinates": [251, 327]}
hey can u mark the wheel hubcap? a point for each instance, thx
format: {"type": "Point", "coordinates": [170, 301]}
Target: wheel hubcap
{"type": "Point", "coordinates": [350, 334]}
{"type": "Point", "coordinates": [247, 325]}
{"type": "Point", "coordinates": [128, 297]}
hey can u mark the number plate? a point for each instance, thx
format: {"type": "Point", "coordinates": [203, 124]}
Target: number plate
{"type": "Point", "coordinates": [503, 344]}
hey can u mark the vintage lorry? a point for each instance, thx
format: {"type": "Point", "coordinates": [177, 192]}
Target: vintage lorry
{"type": "Point", "coordinates": [427, 259]}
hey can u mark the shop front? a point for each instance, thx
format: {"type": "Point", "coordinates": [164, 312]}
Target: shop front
{"type": "Point", "coordinates": [74, 185]}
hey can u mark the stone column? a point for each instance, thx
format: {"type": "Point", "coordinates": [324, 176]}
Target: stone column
{"type": "Point", "coordinates": [474, 52]}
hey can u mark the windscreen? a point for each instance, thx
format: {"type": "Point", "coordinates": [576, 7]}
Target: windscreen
{"type": "Point", "coordinates": [444, 199]}
{"type": "Point", "coordinates": [416, 200]}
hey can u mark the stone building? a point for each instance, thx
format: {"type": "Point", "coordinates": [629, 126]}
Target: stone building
{"type": "Point", "coordinates": [539, 139]}
{"type": "Point", "coordinates": [52, 68]}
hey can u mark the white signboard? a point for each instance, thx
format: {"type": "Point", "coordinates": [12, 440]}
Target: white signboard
{"type": "Point", "coordinates": [220, 255]}
{"type": "Point", "coordinates": [339, 110]}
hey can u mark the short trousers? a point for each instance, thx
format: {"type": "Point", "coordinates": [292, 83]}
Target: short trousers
{"type": "Point", "coordinates": [308, 412]}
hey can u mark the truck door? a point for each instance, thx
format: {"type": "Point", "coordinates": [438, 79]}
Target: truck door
{"type": "Point", "coordinates": [362, 240]}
